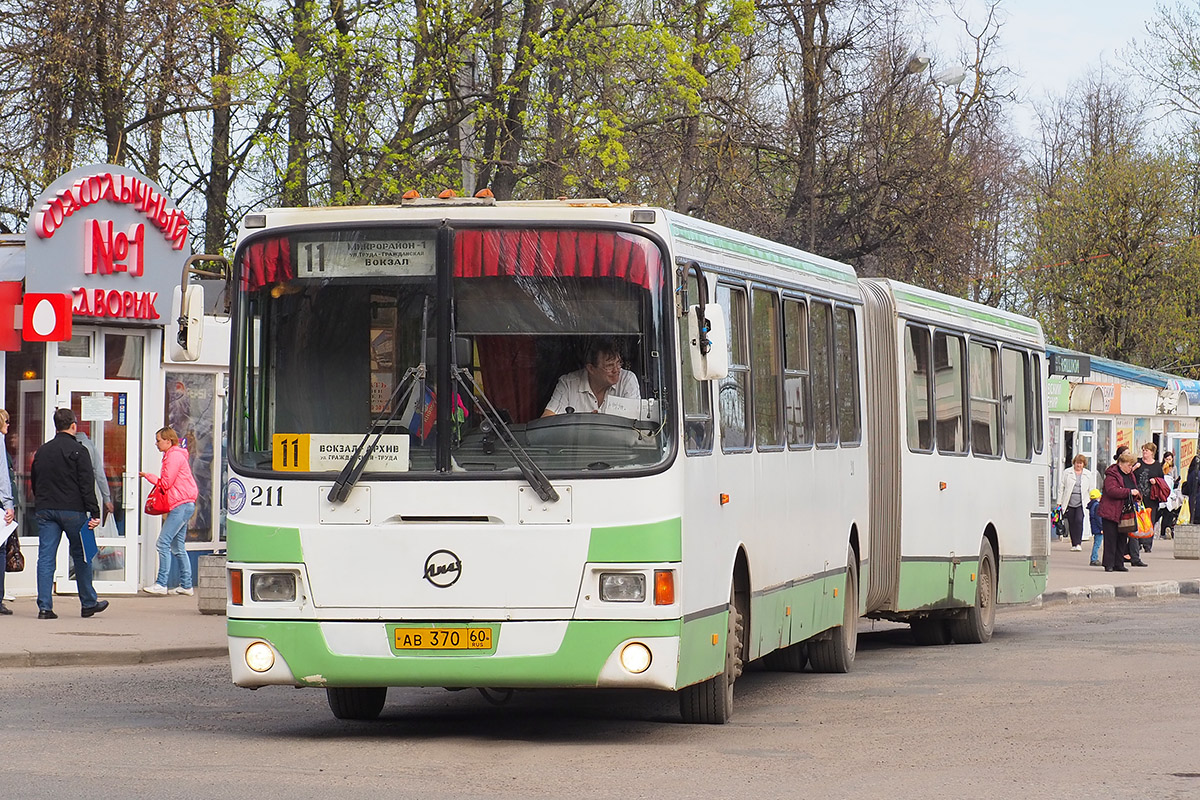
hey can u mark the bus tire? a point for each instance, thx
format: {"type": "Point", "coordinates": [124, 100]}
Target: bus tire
{"type": "Point", "coordinates": [975, 627]}
{"type": "Point", "coordinates": [835, 652]}
{"type": "Point", "coordinates": [930, 631]}
{"type": "Point", "coordinates": [793, 658]}
{"type": "Point", "coordinates": [710, 702]}
{"type": "Point", "coordinates": [356, 703]}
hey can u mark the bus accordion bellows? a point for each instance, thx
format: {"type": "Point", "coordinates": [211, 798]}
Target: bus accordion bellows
{"type": "Point", "coordinates": [420, 495]}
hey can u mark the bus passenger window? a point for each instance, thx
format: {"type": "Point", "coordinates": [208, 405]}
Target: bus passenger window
{"type": "Point", "coordinates": [1016, 406]}
{"type": "Point", "coordinates": [735, 427]}
{"type": "Point", "coordinates": [949, 392]}
{"type": "Point", "coordinates": [797, 389]}
{"type": "Point", "coordinates": [917, 388]}
{"type": "Point", "coordinates": [846, 355]}
{"type": "Point", "coordinates": [985, 400]}
{"type": "Point", "coordinates": [820, 342]}
{"type": "Point", "coordinates": [765, 347]}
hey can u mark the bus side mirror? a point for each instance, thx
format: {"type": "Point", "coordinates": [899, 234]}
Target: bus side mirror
{"type": "Point", "coordinates": [706, 342]}
{"type": "Point", "coordinates": [187, 309]}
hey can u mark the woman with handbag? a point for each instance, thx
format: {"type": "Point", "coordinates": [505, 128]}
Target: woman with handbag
{"type": "Point", "coordinates": [1074, 488]}
{"type": "Point", "coordinates": [179, 485]}
{"type": "Point", "coordinates": [1120, 489]}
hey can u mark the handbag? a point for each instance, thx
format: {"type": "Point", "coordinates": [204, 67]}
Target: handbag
{"type": "Point", "coordinates": [156, 501]}
{"type": "Point", "coordinates": [1128, 521]}
{"type": "Point", "coordinates": [1145, 523]}
{"type": "Point", "coordinates": [14, 559]}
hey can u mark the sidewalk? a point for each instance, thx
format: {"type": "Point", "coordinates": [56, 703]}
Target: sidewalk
{"type": "Point", "coordinates": [145, 629]}
{"type": "Point", "coordinates": [132, 630]}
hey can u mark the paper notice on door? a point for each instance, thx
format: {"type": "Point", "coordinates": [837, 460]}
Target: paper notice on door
{"type": "Point", "coordinates": [96, 409]}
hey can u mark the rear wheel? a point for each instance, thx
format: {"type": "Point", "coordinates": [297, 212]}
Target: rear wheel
{"type": "Point", "coordinates": [976, 626]}
{"type": "Point", "coordinates": [711, 702]}
{"type": "Point", "coordinates": [835, 653]}
{"type": "Point", "coordinates": [356, 703]}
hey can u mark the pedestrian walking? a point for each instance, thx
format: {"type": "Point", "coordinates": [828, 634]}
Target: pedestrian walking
{"type": "Point", "coordinates": [1074, 488]}
{"type": "Point", "coordinates": [65, 498]}
{"type": "Point", "coordinates": [180, 486]}
{"type": "Point", "coordinates": [1169, 513]}
{"type": "Point", "coordinates": [8, 493]}
{"type": "Point", "coordinates": [1120, 489]}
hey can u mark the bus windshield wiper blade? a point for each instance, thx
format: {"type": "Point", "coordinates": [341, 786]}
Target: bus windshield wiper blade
{"type": "Point", "coordinates": [358, 459]}
{"type": "Point", "coordinates": [529, 470]}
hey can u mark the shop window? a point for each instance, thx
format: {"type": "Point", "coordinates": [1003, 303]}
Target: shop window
{"type": "Point", "coordinates": [191, 411]}
{"type": "Point", "coordinates": [123, 356]}
{"type": "Point", "coordinates": [79, 346]}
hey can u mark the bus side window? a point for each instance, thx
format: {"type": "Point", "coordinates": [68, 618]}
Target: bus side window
{"type": "Point", "coordinates": [820, 350]}
{"type": "Point", "coordinates": [1016, 406]}
{"type": "Point", "coordinates": [918, 389]}
{"type": "Point", "coordinates": [846, 376]}
{"type": "Point", "coordinates": [732, 397]}
{"type": "Point", "coordinates": [797, 389]}
{"type": "Point", "coordinates": [950, 392]}
{"type": "Point", "coordinates": [985, 399]}
{"type": "Point", "coordinates": [765, 349]}
{"type": "Point", "coordinates": [697, 395]}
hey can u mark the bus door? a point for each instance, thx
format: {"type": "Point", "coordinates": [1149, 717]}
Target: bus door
{"type": "Point", "coordinates": [109, 412]}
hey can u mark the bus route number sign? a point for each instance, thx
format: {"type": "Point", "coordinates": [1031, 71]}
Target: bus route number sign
{"type": "Point", "coordinates": [329, 452]}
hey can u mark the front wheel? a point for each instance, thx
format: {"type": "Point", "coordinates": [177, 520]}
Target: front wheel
{"type": "Point", "coordinates": [361, 704]}
{"type": "Point", "coordinates": [975, 627]}
{"type": "Point", "coordinates": [711, 702]}
{"type": "Point", "coordinates": [835, 653]}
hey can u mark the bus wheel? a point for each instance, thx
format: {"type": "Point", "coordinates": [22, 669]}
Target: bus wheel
{"type": "Point", "coordinates": [356, 703]}
{"type": "Point", "coordinates": [792, 658]}
{"type": "Point", "coordinates": [975, 627]}
{"type": "Point", "coordinates": [711, 702]}
{"type": "Point", "coordinates": [930, 631]}
{"type": "Point", "coordinates": [835, 653]}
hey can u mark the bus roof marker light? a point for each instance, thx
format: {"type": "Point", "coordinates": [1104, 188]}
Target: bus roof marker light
{"type": "Point", "coordinates": [642, 216]}
{"type": "Point", "coordinates": [256, 220]}
{"type": "Point", "coordinates": [446, 194]}
{"type": "Point", "coordinates": [485, 192]}
{"type": "Point", "coordinates": [411, 194]}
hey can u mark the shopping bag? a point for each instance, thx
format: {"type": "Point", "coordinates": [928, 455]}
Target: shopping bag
{"type": "Point", "coordinates": [1145, 524]}
{"type": "Point", "coordinates": [156, 501]}
{"type": "Point", "coordinates": [14, 559]}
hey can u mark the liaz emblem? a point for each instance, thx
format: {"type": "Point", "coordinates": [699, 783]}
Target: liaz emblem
{"type": "Point", "coordinates": [442, 568]}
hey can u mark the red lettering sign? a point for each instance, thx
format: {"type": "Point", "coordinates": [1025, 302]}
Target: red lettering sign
{"type": "Point", "coordinates": [106, 252]}
{"type": "Point", "coordinates": [115, 189]}
{"type": "Point", "coordinates": [112, 303]}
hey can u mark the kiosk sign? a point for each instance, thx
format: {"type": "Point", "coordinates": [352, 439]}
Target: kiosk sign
{"type": "Point", "coordinates": [111, 240]}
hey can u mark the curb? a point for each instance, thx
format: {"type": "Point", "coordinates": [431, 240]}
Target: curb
{"type": "Point", "coordinates": [108, 658]}
{"type": "Point", "coordinates": [1083, 594]}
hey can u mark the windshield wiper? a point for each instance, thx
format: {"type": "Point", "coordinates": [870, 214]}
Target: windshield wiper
{"type": "Point", "coordinates": [529, 470]}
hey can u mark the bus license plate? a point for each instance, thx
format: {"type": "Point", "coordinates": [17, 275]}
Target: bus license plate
{"type": "Point", "coordinates": [443, 638]}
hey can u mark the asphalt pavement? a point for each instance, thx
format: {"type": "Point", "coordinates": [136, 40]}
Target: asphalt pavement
{"type": "Point", "coordinates": [144, 629]}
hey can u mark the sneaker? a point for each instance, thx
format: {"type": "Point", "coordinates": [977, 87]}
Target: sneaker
{"type": "Point", "coordinates": [1097, 564]}
{"type": "Point", "coordinates": [181, 590]}
{"type": "Point", "coordinates": [1076, 549]}
{"type": "Point", "coordinates": [157, 588]}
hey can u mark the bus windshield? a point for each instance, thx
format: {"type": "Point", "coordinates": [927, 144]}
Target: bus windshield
{"type": "Point", "coordinates": [339, 333]}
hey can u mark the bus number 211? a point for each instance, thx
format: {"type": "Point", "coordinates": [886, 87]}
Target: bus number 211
{"type": "Point", "coordinates": [266, 496]}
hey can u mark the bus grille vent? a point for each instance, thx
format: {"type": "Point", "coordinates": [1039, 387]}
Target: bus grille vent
{"type": "Point", "coordinates": [1041, 491]}
{"type": "Point", "coordinates": [1039, 543]}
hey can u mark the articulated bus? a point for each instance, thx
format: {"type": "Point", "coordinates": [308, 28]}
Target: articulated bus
{"type": "Point", "coordinates": [803, 448]}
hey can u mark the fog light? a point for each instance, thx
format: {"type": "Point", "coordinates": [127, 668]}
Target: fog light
{"type": "Point", "coordinates": [260, 657]}
{"type": "Point", "coordinates": [635, 657]}
{"type": "Point", "coordinates": [273, 587]}
{"type": "Point", "coordinates": [622, 587]}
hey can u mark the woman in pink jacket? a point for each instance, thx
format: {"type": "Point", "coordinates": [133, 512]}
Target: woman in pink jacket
{"type": "Point", "coordinates": [181, 489]}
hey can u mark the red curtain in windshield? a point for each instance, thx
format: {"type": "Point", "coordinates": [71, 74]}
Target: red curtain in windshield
{"type": "Point", "coordinates": [557, 253]}
{"type": "Point", "coordinates": [266, 261]}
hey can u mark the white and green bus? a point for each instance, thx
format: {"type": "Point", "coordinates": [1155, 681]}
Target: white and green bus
{"type": "Point", "coordinates": [803, 448]}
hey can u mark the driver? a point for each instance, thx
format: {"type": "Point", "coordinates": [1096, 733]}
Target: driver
{"type": "Point", "coordinates": [588, 389]}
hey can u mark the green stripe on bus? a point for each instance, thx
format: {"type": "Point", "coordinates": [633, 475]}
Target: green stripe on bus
{"type": "Point", "coordinates": [702, 648]}
{"type": "Point", "coordinates": [654, 541]}
{"type": "Point", "coordinates": [928, 584]}
{"type": "Point", "coordinates": [974, 313]}
{"type": "Point", "coordinates": [586, 646]}
{"type": "Point", "coordinates": [263, 543]}
{"type": "Point", "coordinates": [760, 253]}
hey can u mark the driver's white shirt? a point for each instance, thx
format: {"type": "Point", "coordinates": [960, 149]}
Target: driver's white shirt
{"type": "Point", "coordinates": [573, 390]}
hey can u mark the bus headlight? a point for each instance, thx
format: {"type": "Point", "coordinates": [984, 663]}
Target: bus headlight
{"type": "Point", "coordinates": [622, 587]}
{"type": "Point", "coordinates": [635, 657]}
{"type": "Point", "coordinates": [273, 587]}
{"type": "Point", "coordinates": [260, 657]}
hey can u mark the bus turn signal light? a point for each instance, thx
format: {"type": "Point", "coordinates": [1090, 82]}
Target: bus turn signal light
{"type": "Point", "coordinates": [724, 499]}
{"type": "Point", "coordinates": [664, 587]}
{"type": "Point", "coordinates": [235, 586]}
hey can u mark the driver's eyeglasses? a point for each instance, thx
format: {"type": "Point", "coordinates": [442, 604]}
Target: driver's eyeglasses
{"type": "Point", "coordinates": [608, 365]}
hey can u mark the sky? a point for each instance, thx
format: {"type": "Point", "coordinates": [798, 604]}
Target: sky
{"type": "Point", "coordinates": [1053, 43]}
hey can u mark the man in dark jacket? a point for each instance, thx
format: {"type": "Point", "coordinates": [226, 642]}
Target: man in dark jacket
{"type": "Point", "coordinates": [63, 493]}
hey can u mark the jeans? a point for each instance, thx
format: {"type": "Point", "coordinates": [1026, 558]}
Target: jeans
{"type": "Point", "coordinates": [170, 545]}
{"type": "Point", "coordinates": [51, 525]}
{"type": "Point", "coordinates": [1097, 543]}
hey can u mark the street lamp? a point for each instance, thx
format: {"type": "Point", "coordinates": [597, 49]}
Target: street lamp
{"type": "Point", "coordinates": [917, 62]}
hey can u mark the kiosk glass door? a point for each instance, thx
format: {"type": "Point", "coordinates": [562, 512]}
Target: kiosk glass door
{"type": "Point", "coordinates": [109, 412]}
